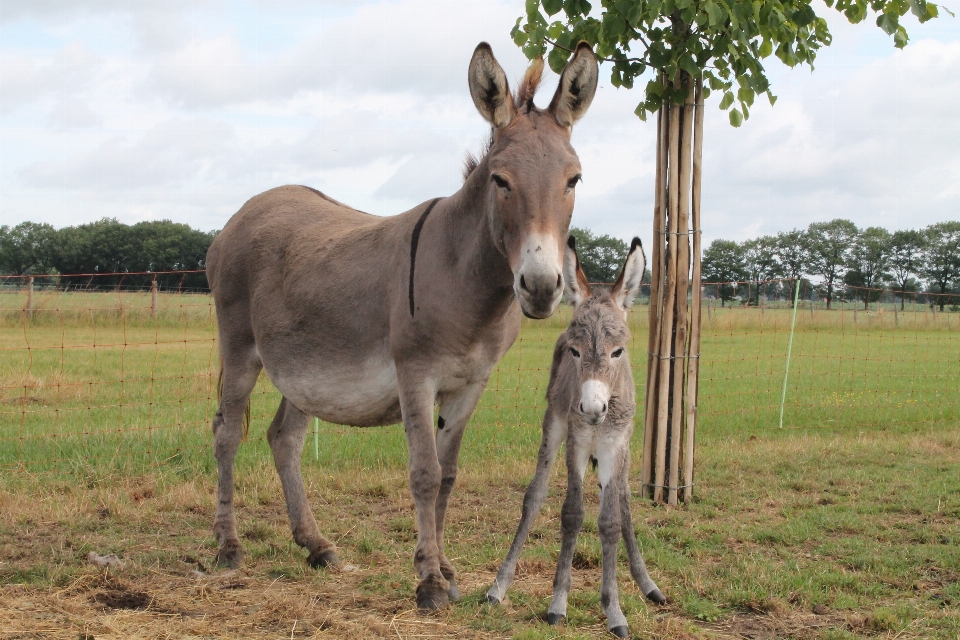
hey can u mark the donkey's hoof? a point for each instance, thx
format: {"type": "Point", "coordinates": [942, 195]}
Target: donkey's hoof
{"type": "Point", "coordinates": [453, 593]}
{"type": "Point", "coordinates": [621, 631]}
{"type": "Point", "coordinates": [431, 594]}
{"type": "Point", "coordinates": [553, 619]}
{"type": "Point", "coordinates": [656, 597]}
{"type": "Point", "coordinates": [323, 559]}
{"type": "Point", "coordinates": [230, 554]}
{"type": "Point", "coordinates": [492, 599]}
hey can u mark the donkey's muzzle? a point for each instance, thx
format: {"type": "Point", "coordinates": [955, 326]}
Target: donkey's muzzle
{"type": "Point", "coordinates": [539, 293]}
{"type": "Point", "coordinates": [594, 401]}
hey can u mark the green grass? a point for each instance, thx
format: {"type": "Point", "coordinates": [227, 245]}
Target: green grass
{"type": "Point", "coordinates": [852, 508]}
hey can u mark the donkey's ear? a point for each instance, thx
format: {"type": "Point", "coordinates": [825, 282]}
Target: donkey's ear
{"type": "Point", "coordinates": [489, 89]}
{"type": "Point", "coordinates": [575, 283]}
{"type": "Point", "coordinates": [627, 286]}
{"type": "Point", "coordinates": [578, 84]}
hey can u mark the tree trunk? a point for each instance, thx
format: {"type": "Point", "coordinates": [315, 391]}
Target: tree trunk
{"type": "Point", "coordinates": [674, 340]}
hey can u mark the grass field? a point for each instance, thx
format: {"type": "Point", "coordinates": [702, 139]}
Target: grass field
{"type": "Point", "coordinates": [843, 524]}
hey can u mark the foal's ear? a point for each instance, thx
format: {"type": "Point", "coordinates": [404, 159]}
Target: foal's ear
{"type": "Point", "coordinates": [578, 84]}
{"type": "Point", "coordinates": [627, 286]}
{"type": "Point", "coordinates": [575, 283]}
{"type": "Point", "coordinates": [489, 89]}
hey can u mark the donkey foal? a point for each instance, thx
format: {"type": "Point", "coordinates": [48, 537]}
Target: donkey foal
{"type": "Point", "coordinates": [590, 402]}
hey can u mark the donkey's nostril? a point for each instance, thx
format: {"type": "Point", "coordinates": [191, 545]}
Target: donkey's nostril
{"type": "Point", "coordinates": [580, 406]}
{"type": "Point", "coordinates": [559, 281]}
{"type": "Point", "coordinates": [523, 283]}
{"type": "Point", "coordinates": [604, 409]}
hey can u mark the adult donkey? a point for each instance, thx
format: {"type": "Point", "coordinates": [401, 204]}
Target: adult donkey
{"type": "Point", "coordinates": [363, 320]}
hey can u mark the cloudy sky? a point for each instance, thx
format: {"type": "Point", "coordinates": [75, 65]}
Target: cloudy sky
{"type": "Point", "coordinates": [183, 109]}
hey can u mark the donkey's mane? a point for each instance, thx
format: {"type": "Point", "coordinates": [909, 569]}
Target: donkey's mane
{"type": "Point", "coordinates": [522, 100]}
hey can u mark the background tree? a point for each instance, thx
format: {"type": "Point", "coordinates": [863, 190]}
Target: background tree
{"type": "Point", "coordinates": [27, 248]}
{"type": "Point", "coordinates": [829, 245]}
{"type": "Point", "coordinates": [724, 263]}
{"type": "Point", "coordinates": [868, 264]}
{"type": "Point", "coordinates": [790, 249]}
{"type": "Point", "coordinates": [601, 257]}
{"type": "Point", "coordinates": [906, 251]}
{"type": "Point", "coordinates": [760, 260]}
{"type": "Point", "coordinates": [941, 256]}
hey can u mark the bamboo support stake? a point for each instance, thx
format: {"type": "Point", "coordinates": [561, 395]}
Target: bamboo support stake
{"type": "Point", "coordinates": [656, 296]}
{"type": "Point", "coordinates": [666, 322]}
{"type": "Point", "coordinates": [693, 361]}
{"type": "Point", "coordinates": [683, 282]}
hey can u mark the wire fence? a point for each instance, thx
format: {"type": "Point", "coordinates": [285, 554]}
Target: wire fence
{"type": "Point", "coordinates": [120, 370]}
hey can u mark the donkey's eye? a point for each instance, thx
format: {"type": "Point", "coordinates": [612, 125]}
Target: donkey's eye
{"type": "Point", "coordinates": [617, 353]}
{"type": "Point", "coordinates": [576, 354]}
{"type": "Point", "coordinates": [572, 182]}
{"type": "Point", "coordinates": [500, 182]}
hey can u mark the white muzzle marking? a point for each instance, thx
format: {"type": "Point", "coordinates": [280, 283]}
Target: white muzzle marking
{"type": "Point", "coordinates": [537, 282]}
{"type": "Point", "coordinates": [594, 400]}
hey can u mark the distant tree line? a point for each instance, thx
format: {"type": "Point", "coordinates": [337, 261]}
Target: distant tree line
{"type": "Point", "coordinates": [850, 263]}
{"type": "Point", "coordinates": [107, 247]}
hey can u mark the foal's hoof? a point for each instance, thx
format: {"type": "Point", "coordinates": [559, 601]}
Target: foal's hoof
{"type": "Point", "coordinates": [656, 597]}
{"type": "Point", "coordinates": [323, 559]}
{"type": "Point", "coordinates": [230, 554]}
{"type": "Point", "coordinates": [553, 619]}
{"type": "Point", "coordinates": [431, 594]}
{"type": "Point", "coordinates": [621, 631]}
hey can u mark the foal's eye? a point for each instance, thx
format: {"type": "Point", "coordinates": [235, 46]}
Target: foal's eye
{"type": "Point", "coordinates": [576, 354]}
{"type": "Point", "coordinates": [500, 182]}
{"type": "Point", "coordinates": [617, 353]}
{"type": "Point", "coordinates": [572, 182]}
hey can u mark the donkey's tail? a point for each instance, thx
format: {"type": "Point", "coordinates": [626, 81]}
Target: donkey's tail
{"type": "Point", "coordinates": [246, 411]}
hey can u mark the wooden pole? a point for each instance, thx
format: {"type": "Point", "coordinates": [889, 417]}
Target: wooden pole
{"type": "Point", "coordinates": [29, 307]}
{"type": "Point", "coordinates": [656, 298]}
{"type": "Point", "coordinates": [153, 297]}
{"type": "Point", "coordinates": [693, 356]}
{"type": "Point", "coordinates": [682, 240]}
{"type": "Point", "coordinates": [667, 319]}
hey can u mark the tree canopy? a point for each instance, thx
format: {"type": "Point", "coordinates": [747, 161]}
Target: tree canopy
{"type": "Point", "coordinates": [727, 40]}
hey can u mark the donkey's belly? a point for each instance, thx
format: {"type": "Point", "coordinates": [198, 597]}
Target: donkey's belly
{"type": "Point", "coordinates": [362, 396]}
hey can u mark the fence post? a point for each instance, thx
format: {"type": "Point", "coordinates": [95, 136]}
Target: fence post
{"type": "Point", "coordinates": [29, 307]}
{"type": "Point", "coordinates": [786, 371]}
{"type": "Point", "coordinates": [153, 297]}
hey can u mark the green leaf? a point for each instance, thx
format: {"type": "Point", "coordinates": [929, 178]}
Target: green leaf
{"type": "Point", "coordinates": [716, 13]}
{"type": "Point", "coordinates": [688, 64]}
{"type": "Point", "coordinates": [766, 48]}
{"type": "Point", "coordinates": [745, 95]}
{"type": "Point", "coordinates": [641, 111]}
{"type": "Point", "coordinates": [736, 118]}
{"type": "Point", "coordinates": [557, 59]}
{"type": "Point", "coordinates": [552, 6]}
{"type": "Point", "coordinates": [519, 35]}
{"type": "Point", "coordinates": [726, 101]}
{"type": "Point", "coordinates": [887, 23]}
{"type": "Point", "coordinates": [900, 38]}
{"type": "Point", "coordinates": [772, 98]}
{"type": "Point", "coordinates": [804, 16]}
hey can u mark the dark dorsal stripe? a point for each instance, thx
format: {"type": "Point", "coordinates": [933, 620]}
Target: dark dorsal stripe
{"type": "Point", "coordinates": [414, 241]}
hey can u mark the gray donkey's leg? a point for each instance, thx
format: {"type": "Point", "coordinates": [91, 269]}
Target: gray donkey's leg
{"type": "Point", "coordinates": [571, 519]}
{"type": "Point", "coordinates": [638, 568]}
{"type": "Point", "coordinates": [416, 403]}
{"type": "Point", "coordinates": [286, 436]}
{"type": "Point", "coordinates": [239, 375]}
{"type": "Point", "coordinates": [454, 414]}
{"type": "Point", "coordinates": [554, 432]}
{"type": "Point", "coordinates": [608, 526]}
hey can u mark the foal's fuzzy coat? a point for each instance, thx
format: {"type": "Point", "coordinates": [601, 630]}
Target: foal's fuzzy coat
{"type": "Point", "coordinates": [591, 405]}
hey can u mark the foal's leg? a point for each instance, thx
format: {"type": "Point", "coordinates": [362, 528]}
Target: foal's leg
{"type": "Point", "coordinates": [638, 568]}
{"type": "Point", "coordinates": [608, 525]}
{"type": "Point", "coordinates": [240, 368]}
{"type": "Point", "coordinates": [416, 404]}
{"type": "Point", "coordinates": [571, 518]}
{"type": "Point", "coordinates": [286, 437]}
{"type": "Point", "coordinates": [454, 414]}
{"type": "Point", "coordinates": [554, 432]}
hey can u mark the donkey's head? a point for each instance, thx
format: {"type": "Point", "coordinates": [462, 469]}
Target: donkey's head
{"type": "Point", "coordinates": [531, 171]}
{"type": "Point", "coordinates": [598, 334]}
